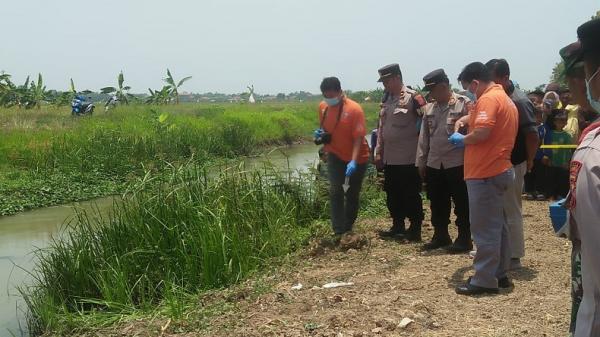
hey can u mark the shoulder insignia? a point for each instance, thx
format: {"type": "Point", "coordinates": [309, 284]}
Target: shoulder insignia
{"type": "Point", "coordinates": [574, 170]}
{"type": "Point", "coordinates": [453, 100]}
{"type": "Point", "coordinates": [409, 90]}
{"type": "Point", "coordinates": [419, 100]}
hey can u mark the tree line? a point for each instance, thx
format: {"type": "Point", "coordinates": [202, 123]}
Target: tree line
{"type": "Point", "coordinates": [33, 93]}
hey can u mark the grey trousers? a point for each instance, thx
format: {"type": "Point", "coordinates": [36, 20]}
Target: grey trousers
{"type": "Point", "coordinates": [344, 206]}
{"type": "Point", "coordinates": [489, 228]}
{"type": "Point", "coordinates": [513, 208]}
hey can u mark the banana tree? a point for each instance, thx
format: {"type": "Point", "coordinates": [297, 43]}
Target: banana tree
{"type": "Point", "coordinates": [4, 80]}
{"type": "Point", "coordinates": [174, 86]}
{"type": "Point", "coordinates": [6, 86]}
{"type": "Point", "coordinates": [65, 98]}
{"type": "Point", "coordinates": [121, 91]}
{"type": "Point", "coordinates": [37, 93]}
{"type": "Point", "coordinates": [18, 95]}
{"type": "Point", "coordinates": [162, 96]}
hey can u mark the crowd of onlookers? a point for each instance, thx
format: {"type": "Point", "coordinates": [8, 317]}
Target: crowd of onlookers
{"type": "Point", "coordinates": [559, 123]}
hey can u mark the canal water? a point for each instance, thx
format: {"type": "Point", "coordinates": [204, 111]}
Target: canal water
{"type": "Point", "coordinates": [22, 234]}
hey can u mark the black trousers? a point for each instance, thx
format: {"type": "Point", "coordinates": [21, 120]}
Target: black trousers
{"type": "Point", "coordinates": [539, 180]}
{"type": "Point", "coordinates": [560, 182]}
{"type": "Point", "coordinates": [403, 189]}
{"type": "Point", "coordinates": [445, 186]}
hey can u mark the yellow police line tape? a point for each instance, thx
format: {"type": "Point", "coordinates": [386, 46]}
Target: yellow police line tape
{"type": "Point", "coordinates": [558, 147]}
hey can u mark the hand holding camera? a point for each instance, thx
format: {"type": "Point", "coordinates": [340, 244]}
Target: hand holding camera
{"type": "Point", "coordinates": [322, 137]}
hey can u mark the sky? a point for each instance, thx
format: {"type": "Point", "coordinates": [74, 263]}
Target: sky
{"type": "Point", "coordinates": [279, 45]}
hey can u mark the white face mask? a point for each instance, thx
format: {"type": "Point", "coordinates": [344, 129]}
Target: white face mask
{"type": "Point", "coordinates": [588, 83]}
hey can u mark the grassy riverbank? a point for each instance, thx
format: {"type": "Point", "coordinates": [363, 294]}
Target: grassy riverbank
{"type": "Point", "coordinates": [177, 234]}
{"type": "Point", "coordinates": [47, 157]}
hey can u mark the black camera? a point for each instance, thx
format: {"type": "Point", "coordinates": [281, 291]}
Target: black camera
{"type": "Point", "coordinates": [323, 138]}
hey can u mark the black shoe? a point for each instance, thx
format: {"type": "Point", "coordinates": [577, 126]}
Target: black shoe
{"type": "Point", "coordinates": [505, 283]}
{"type": "Point", "coordinates": [413, 234]}
{"type": "Point", "coordinates": [471, 290]}
{"type": "Point", "coordinates": [461, 246]}
{"type": "Point", "coordinates": [439, 241]}
{"type": "Point", "coordinates": [392, 234]}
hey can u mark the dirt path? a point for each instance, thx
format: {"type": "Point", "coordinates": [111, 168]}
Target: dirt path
{"type": "Point", "coordinates": [393, 281]}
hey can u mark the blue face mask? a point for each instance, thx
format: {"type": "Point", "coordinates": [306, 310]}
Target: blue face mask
{"type": "Point", "coordinates": [332, 101]}
{"type": "Point", "coordinates": [470, 94]}
{"type": "Point", "coordinates": [588, 83]}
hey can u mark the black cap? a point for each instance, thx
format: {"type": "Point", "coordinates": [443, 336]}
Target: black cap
{"type": "Point", "coordinates": [435, 77]}
{"type": "Point", "coordinates": [388, 71]}
{"type": "Point", "coordinates": [571, 56]}
{"type": "Point", "coordinates": [589, 35]}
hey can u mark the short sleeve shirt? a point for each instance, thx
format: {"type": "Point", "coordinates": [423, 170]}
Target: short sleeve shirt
{"type": "Point", "coordinates": [496, 111]}
{"type": "Point", "coordinates": [351, 125]}
{"type": "Point", "coordinates": [527, 124]}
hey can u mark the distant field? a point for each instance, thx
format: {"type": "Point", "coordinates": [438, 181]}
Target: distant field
{"type": "Point", "coordinates": [47, 157]}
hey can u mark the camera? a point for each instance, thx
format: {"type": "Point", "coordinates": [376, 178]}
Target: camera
{"type": "Point", "coordinates": [322, 138]}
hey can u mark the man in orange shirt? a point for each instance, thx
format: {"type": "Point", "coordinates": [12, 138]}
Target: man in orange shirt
{"type": "Point", "coordinates": [493, 125]}
{"type": "Point", "coordinates": [342, 131]}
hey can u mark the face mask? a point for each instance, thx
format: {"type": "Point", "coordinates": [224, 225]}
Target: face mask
{"type": "Point", "coordinates": [332, 101]}
{"type": "Point", "coordinates": [588, 83]}
{"type": "Point", "coordinates": [471, 95]}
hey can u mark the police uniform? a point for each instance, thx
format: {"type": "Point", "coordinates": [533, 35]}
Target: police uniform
{"type": "Point", "coordinates": [398, 135]}
{"type": "Point", "coordinates": [570, 55]}
{"type": "Point", "coordinates": [585, 226]}
{"type": "Point", "coordinates": [444, 165]}
{"type": "Point", "coordinates": [583, 201]}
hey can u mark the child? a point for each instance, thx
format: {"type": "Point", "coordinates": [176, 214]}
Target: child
{"type": "Point", "coordinates": [559, 164]}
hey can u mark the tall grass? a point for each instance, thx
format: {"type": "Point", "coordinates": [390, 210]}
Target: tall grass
{"type": "Point", "coordinates": [179, 231]}
{"type": "Point", "coordinates": [55, 156]}
{"type": "Point", "coordinates": [132, 135]}
{"type": "Point", "coordinates": [49, 149]}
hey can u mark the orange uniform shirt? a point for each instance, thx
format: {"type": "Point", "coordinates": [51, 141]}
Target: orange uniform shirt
{"type": "Point", "coordinates": [494, 110]}
{"type": "Point", "coordinates": [351, 125]}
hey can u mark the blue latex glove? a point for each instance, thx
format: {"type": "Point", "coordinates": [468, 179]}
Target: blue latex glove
{"type": "Point", "coordinates": [457, 139]}
{"type": "Point", "coordinates": [351, 168]}
{"type": "Point", "coordinates": [318, 133]}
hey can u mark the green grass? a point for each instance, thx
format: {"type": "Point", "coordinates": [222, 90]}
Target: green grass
{"type": "Point", "coordinates": [178, 232]}
{"type": "Point", "coordinates": [48, 148]}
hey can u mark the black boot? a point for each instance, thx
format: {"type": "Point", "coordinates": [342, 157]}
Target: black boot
{"type": "Point", "coordinates": [397, 231]}
{"type": "Point", "coordinates": [440, 239]}
{"type": "Point", "coordinates": [413, 234]}
{"type": "Point", "coordinates": [463, 243]}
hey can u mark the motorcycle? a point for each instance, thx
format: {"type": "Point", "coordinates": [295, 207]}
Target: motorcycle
{"type": "Point", "coordinates": [79, 107]}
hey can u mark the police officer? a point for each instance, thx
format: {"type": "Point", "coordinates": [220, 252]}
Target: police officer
{"type": "Point", "coordinates": [441, 164]}
{"type": "Point", "coordinates": [574, 74]}
{"type": "Point", "coordinates": [584, 197]}
{"type": "Point", "coordinates": [398, 135]}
